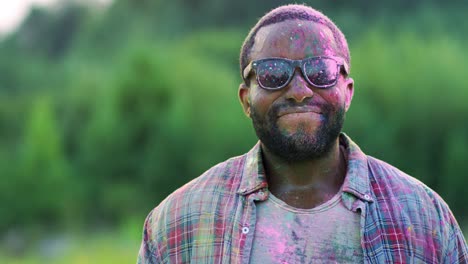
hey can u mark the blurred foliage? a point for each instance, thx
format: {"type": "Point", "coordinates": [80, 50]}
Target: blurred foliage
{"type": "Point", "coordinates": [104, 113]}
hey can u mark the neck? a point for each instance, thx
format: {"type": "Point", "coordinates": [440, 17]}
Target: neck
{"type": "Point", "coordinates": [305, 184]}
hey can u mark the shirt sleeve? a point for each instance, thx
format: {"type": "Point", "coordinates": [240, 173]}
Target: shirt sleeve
{"type": "Point", "coordinates": [148, 252]}
{"type": "Point", "coordinates": [454, 247]}
{"type": "Point", "coordinates": [457, 249]}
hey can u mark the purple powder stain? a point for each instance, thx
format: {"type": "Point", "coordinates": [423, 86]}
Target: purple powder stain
{"type": "Point", "coordinates": [322, 35]}
{"type": "Point", "coordinates": [297, 38]}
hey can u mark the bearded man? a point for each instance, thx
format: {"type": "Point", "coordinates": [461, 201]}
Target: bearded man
{"type": "Point", "coordinates": [305, 193]}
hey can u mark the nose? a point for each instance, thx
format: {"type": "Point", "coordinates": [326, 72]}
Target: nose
{"type": "Point", "coordinates": [298, 89]}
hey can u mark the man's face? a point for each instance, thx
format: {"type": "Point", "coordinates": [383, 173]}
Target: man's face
{"type": "Point", "coordinates": [300, 121]}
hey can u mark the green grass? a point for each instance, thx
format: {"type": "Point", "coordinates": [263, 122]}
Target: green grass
{"type": "Point", "coordinates": [102, 250]}
{"type": "Point", "coordinates": [83, 249]}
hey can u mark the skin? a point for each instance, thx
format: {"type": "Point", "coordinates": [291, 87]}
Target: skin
{"type": "Point", "coordinates": [307, 183]}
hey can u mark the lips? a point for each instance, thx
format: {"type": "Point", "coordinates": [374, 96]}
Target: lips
{"type": "Point", "coordinates": [299, 109]}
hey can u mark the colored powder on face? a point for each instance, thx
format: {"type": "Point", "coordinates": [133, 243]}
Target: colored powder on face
{"type": "Point", "coordinates": [297, 39]}
{"type": "Point", "coordinates": [294, 40]}
{"type": "Point", "coordinates": [322, 35]}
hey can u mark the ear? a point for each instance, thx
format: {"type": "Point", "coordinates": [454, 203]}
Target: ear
{"type": "Point", "coordinates": [244, 98]}
{"type": "Point", "coordinates": [349, 92]}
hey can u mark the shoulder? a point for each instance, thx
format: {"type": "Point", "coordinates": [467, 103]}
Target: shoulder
{"type": "Point", "coordinates": [393, 183]}
{"type": "Point", "coordinates": [399, 183]}
{"type": "Point", "coordinates": [200, 197]}
{"type": "Point", "coordinates": [418, 210]}
{"type": "Point", "coordinates": [198, 205]}
{"type": "Point", "coordinates": [382, 171]}
{"type": "Point", "coordinates": [220, 180]}
{"type": "Point", "coordinates": [410, 201]}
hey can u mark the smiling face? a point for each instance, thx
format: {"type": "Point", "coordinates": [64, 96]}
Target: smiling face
{"type": "Point", "coordinates": [300, 121]}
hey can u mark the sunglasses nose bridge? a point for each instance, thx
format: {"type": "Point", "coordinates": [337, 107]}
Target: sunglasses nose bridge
{"type": "Point", "coordinates": [297, 67]}
{"type": "Point", "coordinates": [298, 71]}
{"type": "Point", "coordinates": [298, 88]}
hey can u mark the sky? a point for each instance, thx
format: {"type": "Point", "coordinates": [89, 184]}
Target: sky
{"type": "Point", "coordinates": [12, 12]}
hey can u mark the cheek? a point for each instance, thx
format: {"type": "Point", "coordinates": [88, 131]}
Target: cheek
{"type": "Point", "coordinates": [334, 97]}
{"type": "Point", "coordinates": [254, 94]}
{"type": "Point", "coordinates": [262, 100]}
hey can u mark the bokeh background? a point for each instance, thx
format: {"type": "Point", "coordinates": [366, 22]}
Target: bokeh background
{"type": "Point", "coordinates": [106, 109]}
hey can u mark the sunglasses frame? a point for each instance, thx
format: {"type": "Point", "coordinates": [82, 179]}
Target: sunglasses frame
{"type": "Point", "coordinates": [252, 66]}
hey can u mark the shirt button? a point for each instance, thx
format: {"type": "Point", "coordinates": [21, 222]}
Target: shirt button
{"type": "Point", "coordinates": [245, 230]}
{"type": "Point", "coordinates": [367, 197]}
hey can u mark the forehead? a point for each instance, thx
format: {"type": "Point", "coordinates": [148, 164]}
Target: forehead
{"type": "Point", "coordinates": [294, 39]}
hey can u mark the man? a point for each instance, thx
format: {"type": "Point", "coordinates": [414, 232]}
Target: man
{"type": "Point", "coordinates": [305, 193]}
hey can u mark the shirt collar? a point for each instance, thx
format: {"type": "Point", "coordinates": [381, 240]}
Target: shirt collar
{"type": "Point", "coordinates": [253, 175]}
{"type": "Point", "coordinates": [356, 181]}
{"type": "Point", "coordinates": [357, 175]}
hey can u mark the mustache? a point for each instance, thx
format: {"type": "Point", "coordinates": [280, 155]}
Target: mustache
{"type": "Point", "coordinates": [286, 106]}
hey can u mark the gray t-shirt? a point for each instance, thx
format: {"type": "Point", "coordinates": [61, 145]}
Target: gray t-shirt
{"type": "Point", "coordinates": [328, 233]}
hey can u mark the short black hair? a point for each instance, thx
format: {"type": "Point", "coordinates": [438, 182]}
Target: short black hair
{"type": "Point", "coordinates": [290, 12]}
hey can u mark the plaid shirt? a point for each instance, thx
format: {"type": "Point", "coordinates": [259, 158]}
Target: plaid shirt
{"type": "Point", "coordinates": [212, 218]}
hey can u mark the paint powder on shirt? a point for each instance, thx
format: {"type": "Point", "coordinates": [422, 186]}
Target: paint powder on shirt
{"type": "Point", "coordinates": [328, 233]}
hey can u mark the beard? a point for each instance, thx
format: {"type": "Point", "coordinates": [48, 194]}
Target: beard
{"type": "Point", "coordinates": [300, 145]}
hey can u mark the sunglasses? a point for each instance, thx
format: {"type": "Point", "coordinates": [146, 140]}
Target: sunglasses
{"type": "Point", "coordinates": [276, 73]}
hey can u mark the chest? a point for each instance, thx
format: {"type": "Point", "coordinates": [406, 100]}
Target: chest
{"type": "Point", "coordinates": [327, 233]}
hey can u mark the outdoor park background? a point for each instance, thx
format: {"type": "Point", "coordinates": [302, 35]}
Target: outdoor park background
{"type": "Point", "coordinates": [104, 112]}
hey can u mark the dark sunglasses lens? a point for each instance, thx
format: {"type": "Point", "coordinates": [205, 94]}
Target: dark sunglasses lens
{"type": "Point", "coordinates": [273, 73]}
{"type": "Point", "coordinates": [321, 72]}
